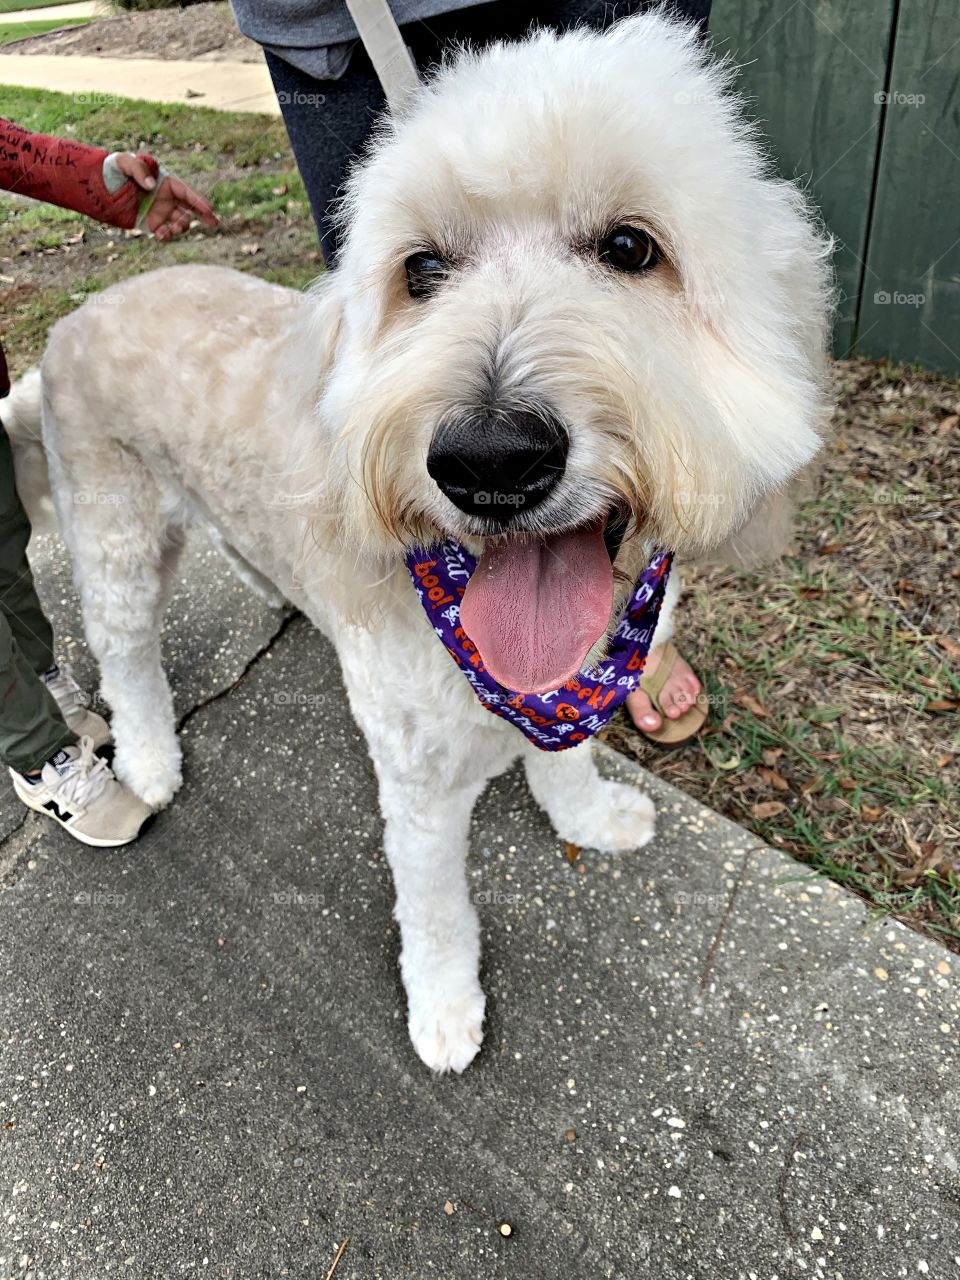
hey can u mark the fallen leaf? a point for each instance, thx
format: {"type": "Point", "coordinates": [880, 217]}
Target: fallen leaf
{"type": "Point", "coordinates": [749, 701]}
{"type": "Point", "coordinates": [831, 548]}
{"type": "Point", "coordinates": [943, 761]}
{"type": "Point", "coordinates": [572, 851]}
{"type": "Point", "coordinates": [947, 424]}
{"type": "Point", "coordinates": [768, 809]}
{"type": "Point", "coordinates": [848, 784]}
{"type": "Point", "coordinates": [871, 815]}
{"type": "Point", "coordinates": [942, 704]}
{"type": "Point", "coordinates": [771, 755]}
{"type": "Point", "coordinates": [949, 646]}
{"type": "Point", "coordinates": [774, 779]}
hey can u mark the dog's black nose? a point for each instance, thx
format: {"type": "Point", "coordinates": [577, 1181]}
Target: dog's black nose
{"type": "Point", "coordinates": [498, 463]}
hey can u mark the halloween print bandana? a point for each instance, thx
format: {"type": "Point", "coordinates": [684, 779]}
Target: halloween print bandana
{"type": "Point", "coordinates": [562, 717]}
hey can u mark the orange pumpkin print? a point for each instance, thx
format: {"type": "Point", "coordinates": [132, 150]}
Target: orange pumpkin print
{"type": "Point", "coordinates": [566, 712]}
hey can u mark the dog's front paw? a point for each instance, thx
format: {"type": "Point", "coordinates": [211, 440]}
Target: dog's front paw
{"type": "Point", "coordinates": [447, 1036]}
{"type": "Point", "coordinates": [151, 770]}
{"type": "Point", "coordinates": [617, 819]}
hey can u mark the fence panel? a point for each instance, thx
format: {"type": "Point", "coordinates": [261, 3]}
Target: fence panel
{"type": "Point", "coordinates": [910, 307]}
{"type": "Point", "coordinates": [816, 71]}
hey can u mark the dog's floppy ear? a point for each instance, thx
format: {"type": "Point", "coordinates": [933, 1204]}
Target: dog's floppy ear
{"type": "Point", "coordinates": [768, 534]}
{"type": "Point", "coordinates": [325, 298]}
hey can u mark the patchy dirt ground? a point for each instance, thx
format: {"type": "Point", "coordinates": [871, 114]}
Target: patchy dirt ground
{"type": "Point", "coordinates": [204, 32]}
{"type": "Point", "coordinates": [833, 679]}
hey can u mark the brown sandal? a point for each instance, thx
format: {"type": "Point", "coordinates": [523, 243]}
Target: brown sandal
{"type": "Point", "coordinates": [672, 733]}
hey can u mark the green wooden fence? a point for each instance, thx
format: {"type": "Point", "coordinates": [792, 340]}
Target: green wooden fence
{"type": "Point", "coordinates": [861, 100]}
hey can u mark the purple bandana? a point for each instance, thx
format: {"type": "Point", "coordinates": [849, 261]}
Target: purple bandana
{"type": "Point", "coordinates": [563, 717]}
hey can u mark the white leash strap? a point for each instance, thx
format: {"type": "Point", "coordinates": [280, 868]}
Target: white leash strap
{"type": "Point", "coordinates": [383, 42]}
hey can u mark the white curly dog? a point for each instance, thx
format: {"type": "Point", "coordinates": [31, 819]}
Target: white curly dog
{"type": "Point", "coordinates": [569, 281]}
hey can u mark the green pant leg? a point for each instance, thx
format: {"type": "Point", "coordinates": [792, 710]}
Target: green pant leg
{"type": "Point", "coordinates": [18, 597]}
{"type": "Point", "coordinates": [31, 726]}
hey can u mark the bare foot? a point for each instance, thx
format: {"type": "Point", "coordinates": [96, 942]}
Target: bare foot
{"type": "Point", "coordinates": [678, 695]}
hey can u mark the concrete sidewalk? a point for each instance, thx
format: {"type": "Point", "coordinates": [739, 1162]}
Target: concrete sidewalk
{"type": "Point", "coordinates": [226, 86]}
{"type": "Point", "coordinates": [52, 12]}
{"type": "Point", "coordinates": [698, 1064]}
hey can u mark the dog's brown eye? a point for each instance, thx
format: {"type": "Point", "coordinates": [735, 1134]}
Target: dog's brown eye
{"type": "Point", "coordinates": [426, 271]}
{"type": "Point", "coordinates": [629, 249]}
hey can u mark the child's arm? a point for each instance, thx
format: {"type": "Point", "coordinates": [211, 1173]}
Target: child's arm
{"type": "Point", "coordinates": [89, 181]}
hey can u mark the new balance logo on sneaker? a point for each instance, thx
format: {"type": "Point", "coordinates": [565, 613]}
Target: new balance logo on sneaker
{"type": "Point", "coordinates": [77, 789]}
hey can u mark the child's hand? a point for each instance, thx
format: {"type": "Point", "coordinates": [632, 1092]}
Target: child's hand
{"type": "Point", "coordinates": [175, 203]}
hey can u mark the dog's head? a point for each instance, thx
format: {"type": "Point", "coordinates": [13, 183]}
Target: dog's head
{"type": "Point", "coordinates": [577, 319]}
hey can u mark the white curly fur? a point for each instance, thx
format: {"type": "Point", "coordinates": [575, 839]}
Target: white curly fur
{"type": "Point", "coordinates": [692, 393]}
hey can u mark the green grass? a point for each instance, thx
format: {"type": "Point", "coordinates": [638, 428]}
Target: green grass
{"type": "Point", "coordinates": [10, 31]}
{"type": "Point", "coordinates": [834, 731]}
{"type": "Point", "coordinates": [121, 123]}
{"type": "Point", "coordinates": [242, 161]}
{"type": "Point", "coordinates": [13, 6]}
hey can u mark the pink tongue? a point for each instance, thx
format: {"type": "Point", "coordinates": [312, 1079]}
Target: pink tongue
{"type": "Point", "coordinates": [534, 609]}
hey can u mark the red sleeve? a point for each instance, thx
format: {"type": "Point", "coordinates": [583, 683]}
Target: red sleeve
{"type": "Point", "coordinates": [65, 173]}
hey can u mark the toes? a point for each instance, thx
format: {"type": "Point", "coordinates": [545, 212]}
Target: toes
{"type": "Point", "coordinates": [628, 821]}
{"type": "Point", "coordinates": [449, 1038]}
{"type": "Point", "coordinates": [680, 694]}
{"type": "Point", "coordinates": [641, 709]}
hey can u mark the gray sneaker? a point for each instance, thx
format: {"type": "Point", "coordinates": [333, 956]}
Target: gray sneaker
{"type": "Point", "coordinates": [72, 702]}
{"type": "Point", "coordinates": [77, 789]}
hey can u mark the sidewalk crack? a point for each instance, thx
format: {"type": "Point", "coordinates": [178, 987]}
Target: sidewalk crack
{"type": "Point", "coordinates": [285, 624]}
{"type": "Point", "coordinates": [727, 912]}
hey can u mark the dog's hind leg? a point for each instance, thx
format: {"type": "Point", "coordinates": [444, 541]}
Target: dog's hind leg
{"type": "Point", "coordinates": [122, 532]}
{"type": "Point", "coordinates": [585, 808]}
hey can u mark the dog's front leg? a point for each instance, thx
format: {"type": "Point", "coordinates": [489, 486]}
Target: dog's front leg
{"type": "Point", "coordinates": [425, 839]}
{"type": "Point", "coordinates": [585, 808]}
